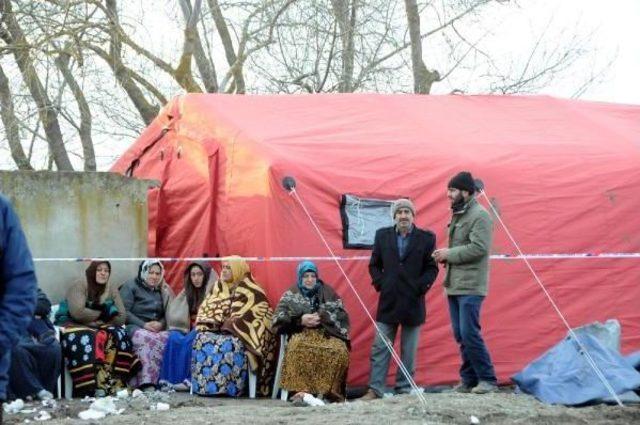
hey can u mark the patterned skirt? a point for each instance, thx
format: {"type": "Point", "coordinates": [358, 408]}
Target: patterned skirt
{"type": "Point", "coordinates": [219, 365]}
{"type": "Point", "coordinates": [149, 347]}
{"type": "Point", "coordinates": [98, 358]}
{"type": "Point", "coordinates": [316, 364]}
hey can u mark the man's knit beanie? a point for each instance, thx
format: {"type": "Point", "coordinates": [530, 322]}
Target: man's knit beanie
{"type": "Point", "coordinates": [463, 181]}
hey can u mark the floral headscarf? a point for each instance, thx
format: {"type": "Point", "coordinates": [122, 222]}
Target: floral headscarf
{"type": "Point", "coordinates": [146, 266]}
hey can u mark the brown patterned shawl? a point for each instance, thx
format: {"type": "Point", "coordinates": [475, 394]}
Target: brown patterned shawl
{"type": "Point", "coordinates": [242, 309]}
{"type": "Point", "coordinates": [334, 319]}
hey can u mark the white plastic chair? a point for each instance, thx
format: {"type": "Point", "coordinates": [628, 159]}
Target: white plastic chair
{"type": "Point", "coordinates": [253, 382]}
{"type": "Point", "coordinates": [65, 384]}
{"type": "Point", "coordinates": [284, 394]}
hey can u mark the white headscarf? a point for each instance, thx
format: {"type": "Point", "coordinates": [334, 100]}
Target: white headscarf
{"type": "Point", "coordinates": [146, 266]}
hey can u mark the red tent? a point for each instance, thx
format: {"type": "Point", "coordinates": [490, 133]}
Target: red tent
{"type": "Point", "coordinates": [564, 175]}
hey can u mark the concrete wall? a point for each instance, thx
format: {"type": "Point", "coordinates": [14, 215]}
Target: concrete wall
{"type": "Point", "coordinates": [77, 215]}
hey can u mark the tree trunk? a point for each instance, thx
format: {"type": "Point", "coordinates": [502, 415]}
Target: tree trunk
{"type": "Point", "coordinates": [10, 123]}
{"type": "Point", "coordinates": [62, 62]}
{"type": "Point", "coordinates": [423, 79]}
{"type": "Point", "coordinates": [345, 14]}
{"type": "Point", "coordinates": [184, 75]}
{"type": "Point", "coordinates": [206, 68]}
{"type": "Point", "coordinates": [229, 52]}
{"type": "Point", "coordinates": [147, 111]}
{"type": "Point", "coordinates": [47, 112]}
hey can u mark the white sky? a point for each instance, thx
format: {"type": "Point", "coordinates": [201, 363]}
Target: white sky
{"type": "Point", "coordinates": [617, 37]}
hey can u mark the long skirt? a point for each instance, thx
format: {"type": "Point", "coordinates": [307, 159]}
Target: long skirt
{"type": "Point", "coordinates": [176, 363]}
{"type": "Point", "coordinates": [316, 364]}
{"type": "Point", "coordinates": [149, 347]}
{"type": "Point", "coordinates": [98, 358]}
{"type": "Point", "coordinates": [219, 365]}
{"type": "Point", "coordinates": [35, 366]}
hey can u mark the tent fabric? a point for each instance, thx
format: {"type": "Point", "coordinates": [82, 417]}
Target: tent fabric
{"type": "Point", "coordinates": [563, 375]}
{"type": "Point", "coordinates": [563, 174]}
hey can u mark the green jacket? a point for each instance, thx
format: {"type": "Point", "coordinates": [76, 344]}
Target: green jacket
{"type": "Point", "coordinates": [469, 247]}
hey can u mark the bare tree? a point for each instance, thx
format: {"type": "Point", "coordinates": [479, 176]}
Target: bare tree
{"type": "Point", "coordinates": [10, 123]}
{"type": "Point", "coordinates": [422, 77]}
{"type": "Point", "coordinates": [77, 75]}
{"type": "Point", "coordinates": [13, 36]}
{"type": "Point", "coordinates": [84, 128]}
{"type": "Point", "coordinates": [205, 64]}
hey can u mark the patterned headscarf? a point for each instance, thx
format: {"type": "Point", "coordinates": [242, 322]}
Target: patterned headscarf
{"type": "Point", "coordinates": [146, 266]}
{"type": "Point", "coordinates": [303, 267]}
{"type": "Point", "coordinates": [239, 268]}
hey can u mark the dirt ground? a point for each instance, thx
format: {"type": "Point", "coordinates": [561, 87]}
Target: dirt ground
{"type": "Point", "coordinates": [442, 408]}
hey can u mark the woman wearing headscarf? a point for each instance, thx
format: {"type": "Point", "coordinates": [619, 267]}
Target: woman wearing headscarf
{"type": "Point", "coordinates": [181, 317]}
{"type": "Point", "coordinates": [234, 335]}
{"type": "Point", "coordinates": [146, 298]}
{"type": "Point", "coordinates": [97, 350]}
{"type": "Point", "coordinates": [316, 358]}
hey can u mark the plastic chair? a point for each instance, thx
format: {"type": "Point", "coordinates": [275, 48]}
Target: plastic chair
{"type": "Point", "coordinates": [65, 384]}
{"type": "Point", "coordinates": [284, 394]}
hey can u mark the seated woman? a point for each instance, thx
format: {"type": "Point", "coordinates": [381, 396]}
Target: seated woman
{"type": "Point", "coordinates": [317, 355]}
{"type": "Point", "coordinates": [146, 298]}
{"type": "Point", "coordinates": [36, 358]}
{"type": "Point", "coordinates": [234, 335]}
{"type": "Point", "coordinates": [96, 348]}
{"type": "Point", "coordinates": [181, 318]}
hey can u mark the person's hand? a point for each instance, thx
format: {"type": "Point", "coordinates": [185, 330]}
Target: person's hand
{"type": "Point", "coordinates": [153, 326]}
{"type": "Point", "coordinates": [310, 320]}
{"type": "Point", "coordinates": [441, 255]}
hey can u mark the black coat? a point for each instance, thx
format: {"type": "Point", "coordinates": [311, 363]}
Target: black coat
{"type": "Point", "coordinates": [402, 282]}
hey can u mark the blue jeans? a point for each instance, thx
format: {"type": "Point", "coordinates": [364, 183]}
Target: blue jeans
{"type": "Point", "coordinates": [465, 320]}
{"type": "Point", "coordinates": [380, 357]}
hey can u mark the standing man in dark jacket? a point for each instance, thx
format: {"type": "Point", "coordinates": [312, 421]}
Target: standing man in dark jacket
{"type": "Point", "coordinates": [17, 288]}
{"type": "Point", "coordinates": [467, 262]}
{"type": "Point", "coordinates": [402, 270]}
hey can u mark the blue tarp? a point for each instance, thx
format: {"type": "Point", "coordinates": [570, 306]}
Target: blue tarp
{"type": "Point", "coordinates": [634, 360]}
{"type": "Point", "coordinates": [563, 376]}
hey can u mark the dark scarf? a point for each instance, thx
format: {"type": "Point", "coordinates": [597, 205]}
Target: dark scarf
{"type": "Point", "coordinates": [95, 290]}
{"type": "Point", "coordinates": [195, 296]}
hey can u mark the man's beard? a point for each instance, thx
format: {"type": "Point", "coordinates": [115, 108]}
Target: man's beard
{"type": "Point", "coordinates": [458, 202]}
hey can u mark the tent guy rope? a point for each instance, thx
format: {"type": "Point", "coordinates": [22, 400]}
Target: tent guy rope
{"type": "Point", "coordinates": [289, 185]}
{"type": "Point", "coordinates": [583, 349]}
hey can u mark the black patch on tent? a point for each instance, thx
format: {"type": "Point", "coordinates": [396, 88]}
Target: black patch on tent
{"type": "Point", "coordinates": [361, 218]}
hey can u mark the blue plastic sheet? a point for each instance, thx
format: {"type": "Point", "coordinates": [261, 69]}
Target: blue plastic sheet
{"type": "Point", "coordinates": [563, 376]}
{"type": "Point", "coordinates": [634, 360]}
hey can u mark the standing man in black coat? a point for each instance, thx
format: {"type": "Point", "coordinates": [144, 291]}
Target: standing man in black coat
{"type": "Point", "coordinates": [402, 271]}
